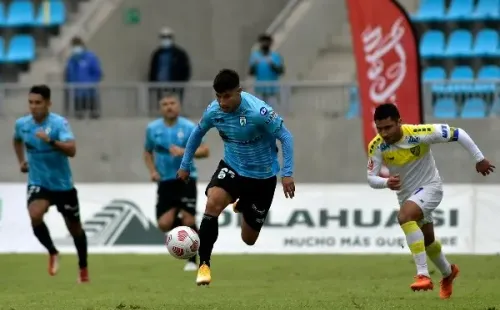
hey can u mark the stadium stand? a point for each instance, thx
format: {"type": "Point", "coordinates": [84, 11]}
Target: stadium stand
{"type": "Point", "coordinates": [25, 27]}
{"type": "Point", "coordinates": [460, 52]}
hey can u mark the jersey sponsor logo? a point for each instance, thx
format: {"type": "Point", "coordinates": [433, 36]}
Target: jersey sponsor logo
{"type": "Point", "coordinates": [444, 131]}
{"type": "Point", "coordinates": [272, 116]}
{"type": "Point", "coordinates": [263, 111]}
{"type": "Point", "coordinates": [119, 222]}
{"type": "Point", "coordinates": [219, 120]}
{"type": "Point", "coordinates": [243, 121]}
{"type": "Point", "coordinates": [413, 140]}
{"type": "Point", "coordinates": [384, 146]}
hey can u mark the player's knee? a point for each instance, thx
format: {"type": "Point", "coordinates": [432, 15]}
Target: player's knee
{"type": "Point", "coordinates": [217, 201]}
{"type": "Point", "coordinates": [164, 225]}
{"type": "Point", "coordinates": [410, 211]}
{"type": "Point", "coordinates": [36, 216]}
{"type": "Point", "coordinates": [188, 219]}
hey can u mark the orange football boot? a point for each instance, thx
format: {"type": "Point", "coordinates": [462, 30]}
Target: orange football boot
{"type": "Point", "coordinates": [447, 283]}
{"type": "Point", "coordinates": [422, 283]}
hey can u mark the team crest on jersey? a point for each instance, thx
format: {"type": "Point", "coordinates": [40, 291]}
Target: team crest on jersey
{"type": "Point", "coordinates": [243, 120]}
{"type": "Point", "coordinates": [415, 150]}
{"type": "Point", "coordinates": [180, 134]}
{"type": "Point", "coordinates": [263, 111]}
{"type": "Point", "coordinates": [48, 130]}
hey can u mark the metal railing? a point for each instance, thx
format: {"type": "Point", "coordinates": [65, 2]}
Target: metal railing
{"type": "Point", "coordinates": [141, 99]}
{"type": "Point", "coordinates": [317, 98]}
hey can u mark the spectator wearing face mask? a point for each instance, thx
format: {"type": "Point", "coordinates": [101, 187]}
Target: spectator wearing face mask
{"type": "Point", "coordinates": [169, 64]}
{"type": "Point", "coordinates": [266, 65]}
{"type": "Point", "coordinates": [83, 67]}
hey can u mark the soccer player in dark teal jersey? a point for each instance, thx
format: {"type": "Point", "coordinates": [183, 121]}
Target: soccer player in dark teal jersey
{"type": "Point", "coordinates": [48, 141]}
{"type": "Point", "coordinates": [166, 139]}
{"type": "Point", "coordinates": [249, 128]}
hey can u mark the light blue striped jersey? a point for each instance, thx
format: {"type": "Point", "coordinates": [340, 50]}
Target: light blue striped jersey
{"type": "Point", "coordinates": [248, 134]}
{"type": "Point", "coordinates": [48, 167]}
{"type": "Point", "coordinates": [160, 137]}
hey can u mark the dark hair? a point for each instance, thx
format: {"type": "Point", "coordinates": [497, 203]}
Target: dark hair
{"type": "Point", "coordinates": [42, 90]}
{"type": "Point", "coordinates": [386, 110]}
{"type": "Point", "coordinates": [226, 80]}
{"type": "Point", "coordinates": [77, 41]}
{"type": "Point", "coordinates": [265, 37]}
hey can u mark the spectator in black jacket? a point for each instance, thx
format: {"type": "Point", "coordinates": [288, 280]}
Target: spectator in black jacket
{"type": "Point", "coordinates": [169, 64]}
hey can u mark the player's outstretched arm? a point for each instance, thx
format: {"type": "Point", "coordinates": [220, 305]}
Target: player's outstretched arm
{"type": "Point", "coordinates": [443, 133]}
{"type": "Point", "coordinates": [272, 123]}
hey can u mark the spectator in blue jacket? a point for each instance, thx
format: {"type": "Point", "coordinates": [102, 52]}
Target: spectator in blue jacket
{"type": "Point", "coordinates": [266, 65]}
{"type": "Point", "coordinates": [83, 67]}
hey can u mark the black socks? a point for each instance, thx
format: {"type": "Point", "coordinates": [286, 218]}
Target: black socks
{"type": "Point", "coordinates": [209, 231]}
{"type": "Point", "coordinates": [42, 234]}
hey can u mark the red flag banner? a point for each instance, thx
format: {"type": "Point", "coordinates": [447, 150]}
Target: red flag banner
{"type": "Point", "coordinates": [388, 65]}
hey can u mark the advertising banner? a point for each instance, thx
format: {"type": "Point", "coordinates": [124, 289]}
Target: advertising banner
{"type": "Point", "coordinates": [120, 218]}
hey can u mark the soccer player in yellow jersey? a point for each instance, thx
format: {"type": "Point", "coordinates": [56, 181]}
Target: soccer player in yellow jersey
{"type": "Point", "coordinates": [405, 150]}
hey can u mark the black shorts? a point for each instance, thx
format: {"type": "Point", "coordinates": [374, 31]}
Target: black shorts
{"type": "Point", "coordinates": [255, 195]}
{"type": "Point", "coordinates": [176, 194]}
{"type": "Point", "coordinates": [65, 201]}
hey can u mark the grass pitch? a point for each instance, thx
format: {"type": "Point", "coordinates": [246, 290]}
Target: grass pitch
{"type": "Point", "coordinates": [243, 282]}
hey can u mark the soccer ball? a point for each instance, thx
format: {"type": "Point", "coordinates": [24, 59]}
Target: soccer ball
{"type": "Point", "coordinates": [182, 242]}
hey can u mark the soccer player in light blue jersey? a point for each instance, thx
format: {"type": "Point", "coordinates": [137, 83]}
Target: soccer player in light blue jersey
{"type": "Point", "coordinates": [48, 141]}
{"type": "Point", "coordinates": [249, 128]}
{"type": "Point", "coordinates": [166, 139]}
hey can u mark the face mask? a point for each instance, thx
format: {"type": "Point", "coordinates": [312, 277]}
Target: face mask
{"type": "Point", "coordinates": [77, 50]}
{"type": "Point", "coordinates": [166, 42]}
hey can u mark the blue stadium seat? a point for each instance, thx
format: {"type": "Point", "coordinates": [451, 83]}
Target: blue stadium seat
{"type": "Point", "coordinates": [484, 77]}
{"type": "Point", "coordinates": [486, 43]}
{"type": "Point", "coordinates": [489, 72]}
{"type": "Point", "coordinates": [353, 103]}
{"type": "Point", "coordinates": [460, 10]}
{"type": "Point", "coordinates": [20, 13]}
{"type": "Point", "coordinates": [445, 108]}
{"type": "Point", "coordinates": [487, 9]}
{"type": "Point", "coordinates": [430, 10]}
{"type": "Point", "coordinates": [432, 44]}
{"type": "Point", "coordinates": [460, 77]}
{"type": "Point", "coordinates": [459, 43]}
{"type": "Point", "coordinates": [474, 108]}
{"type": "Point", "coordinates": [21, 49]}
{"type": "Point", "coordinates": [51, 13]}
{"type": "Point", "coordinates": [3, 21]}
{"type": "Point", "coordinates": [433, 73]}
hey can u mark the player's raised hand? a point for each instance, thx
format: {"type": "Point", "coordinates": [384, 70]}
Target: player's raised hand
{"type": "Point", "coordinates": [288, 187]}
{"type": "Point", "coordinates": [176, 151]}
{"type": "Point", "coordinates": [24, 167]}
{"type": "Point", "coordinates": [485, 167]}
{"type": "Point", "coordinates": [41, 134]}
{"type": "Point", "coordinates": [394, 182]}
{"type": "Point", "coordinates": [183, 175]}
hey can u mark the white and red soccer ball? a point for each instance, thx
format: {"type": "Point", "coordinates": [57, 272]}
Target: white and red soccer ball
{"type": "Point", "coordinates": [182, 242]}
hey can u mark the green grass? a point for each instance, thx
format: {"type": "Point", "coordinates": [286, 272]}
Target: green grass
{"type": "Point", "coordinates": [243, 282]}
